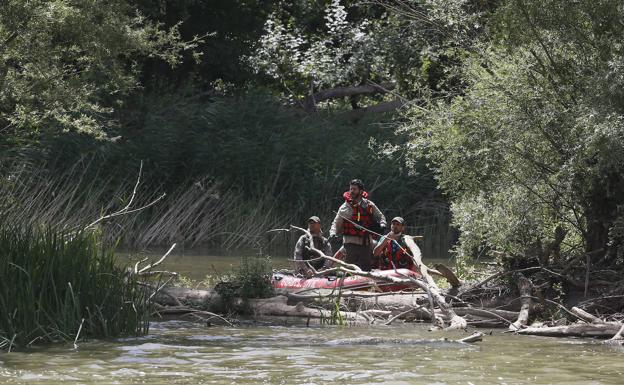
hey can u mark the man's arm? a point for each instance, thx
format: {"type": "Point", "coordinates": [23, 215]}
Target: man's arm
{"type": "Point", "coordinates": [378, 215]}
{"type": "Point", "coordinates": [381, 245]}
{"type": "Point", "coordinates": [336, 227]}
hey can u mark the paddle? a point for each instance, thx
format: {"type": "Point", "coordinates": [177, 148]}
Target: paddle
{"type": "Point", "coordinates": [440, 269]}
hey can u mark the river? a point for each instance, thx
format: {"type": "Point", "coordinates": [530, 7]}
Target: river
{"type": "Point", "coordinates": [286, 351]}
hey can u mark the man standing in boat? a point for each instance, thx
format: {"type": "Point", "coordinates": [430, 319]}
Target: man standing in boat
{"type": "Point", "coordinates": [356, 215]}
{"type": "Point", "coordinates": [306, 259]}
{"type": "Point", "coordinates": [391, 250]}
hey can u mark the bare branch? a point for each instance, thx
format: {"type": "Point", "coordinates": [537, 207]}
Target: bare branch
{"type": "Point", "coordinates": [126, 210]}
{"type": "Point", "coordinates": [151, 266]}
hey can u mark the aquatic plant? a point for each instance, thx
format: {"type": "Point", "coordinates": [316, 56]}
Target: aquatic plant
{"type": "Point", "coordinates": [250, 280]}
{"type": "Point", "coordinates": [57, 287]}
{"type": "Point", "coordinates": [335, 317]}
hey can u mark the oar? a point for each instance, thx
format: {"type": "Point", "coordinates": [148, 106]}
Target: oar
{"type": "Point", "coordinates": [447, 273]}
{"type": "Point", "coordinates": [440, 270]}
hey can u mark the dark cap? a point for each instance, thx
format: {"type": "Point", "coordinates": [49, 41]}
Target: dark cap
{"type": "Point", "coordinates": [314, 218]}
{"type": "Point", "coordinates": [357, 182]}
{"type": "Point", "coordinates": [398, 219]}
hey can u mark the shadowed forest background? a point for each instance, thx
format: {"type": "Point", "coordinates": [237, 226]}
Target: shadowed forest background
{"type": "Point", "coordinates": [494, 127]}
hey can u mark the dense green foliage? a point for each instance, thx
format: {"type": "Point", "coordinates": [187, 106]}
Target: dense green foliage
{"type": "Point", "coordinates": [515, 106]}
{"type": "Point", "coordinates": [532, 151]}
{"type": "Point", "coordinates": [67, 65]}
{"type": "Point", "coordinates": [52, 281]}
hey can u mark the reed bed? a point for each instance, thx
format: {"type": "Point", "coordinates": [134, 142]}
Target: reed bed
{"type": "Point", "coordinates": [202, 212]}
{"type": "Point", "coordinates": [58, 287]}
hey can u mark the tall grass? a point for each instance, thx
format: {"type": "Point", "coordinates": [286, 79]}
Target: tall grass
{"type": "Point", "coordinates": [51, 282]}
{"type": "Point", "coordinates": [232, 169]}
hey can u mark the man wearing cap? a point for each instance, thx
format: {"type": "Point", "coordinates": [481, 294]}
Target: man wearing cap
{"type": "Point", "coordinates": [306, 259]}
{"type": "Point", "coordinates": [391, 251]}
{"type": "Point", "coordinates": [356, 215]}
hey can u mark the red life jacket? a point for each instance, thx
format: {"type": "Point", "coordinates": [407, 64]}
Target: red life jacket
{"type": "Point", "coordinates": [398, 257]}
{"type": "Point", "coordinates": [347, 195]}
{"type": "Point", "coordinates": [361, 216]}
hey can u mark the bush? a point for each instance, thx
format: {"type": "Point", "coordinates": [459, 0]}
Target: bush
{"type": "Point", "coordinates": [252, 279]}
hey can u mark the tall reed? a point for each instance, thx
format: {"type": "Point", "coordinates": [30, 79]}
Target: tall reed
{"type": "Point", "coordinates": [52, 281]}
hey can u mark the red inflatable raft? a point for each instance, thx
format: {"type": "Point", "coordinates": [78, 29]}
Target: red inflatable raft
{"type": "Point", "coordinates": [353, 282]}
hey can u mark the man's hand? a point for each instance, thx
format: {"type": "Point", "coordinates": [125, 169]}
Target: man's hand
{"type": "Point", "coordinates": [309, 274]}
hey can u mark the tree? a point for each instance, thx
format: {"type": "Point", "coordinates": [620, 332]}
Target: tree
{"type": "Point", "coordinates": [67, 65]}
{"type": "Point", "coordinates": [396, 49]}
{"type": "Point", "coordinates": [532, 152]}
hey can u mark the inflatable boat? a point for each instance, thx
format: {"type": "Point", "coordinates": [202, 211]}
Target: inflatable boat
{"type": "Point", "coordinates": [351, 282]}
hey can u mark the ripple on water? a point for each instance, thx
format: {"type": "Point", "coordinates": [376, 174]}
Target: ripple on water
{"type": "Point", "coordinates": [127, 372]}
{"type": "Point", "coordinates": [214, 338]}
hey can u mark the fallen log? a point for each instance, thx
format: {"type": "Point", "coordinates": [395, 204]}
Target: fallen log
{"type": "Point", "coordinates": [474, 337]}
{"type": "Point", "coordinates": [605, 330]}
{"type": "Point", "coordinates": [278, 306]}
{"type": "Point", "coordinates": [506, 315]}
{"type": "Point", "coordinates": [404, 306]}
{"type": "Point", "coordinates": [617, 339]}
{"type": "Point", "coordinates": [585, 316]}
{"type": "Point", "coordinates": [201, 299]}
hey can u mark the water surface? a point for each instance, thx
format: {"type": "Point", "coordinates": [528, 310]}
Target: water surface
{"type": "Point", "coordinates": [286, 351]}
{"type": "Point", "coordinates": [178, 352]}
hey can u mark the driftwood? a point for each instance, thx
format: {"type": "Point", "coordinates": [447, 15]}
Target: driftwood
{"type": "Point", "coordinates": [617, 339]}
{"type": "Point", "coordinates": [456, 322]}
{"type": "Point", "coordinates": [585, 316]}
{"type": "Point", "coordinates": [357, 307]}
{"type": "Point", "coordinates": [525, 288]}
{"type": "Point", "coordinates": [278, 306]}
{"type": "Point", "coordinates": [603, 330]}
{"type": "Point", "coordinates": [474, 337]}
